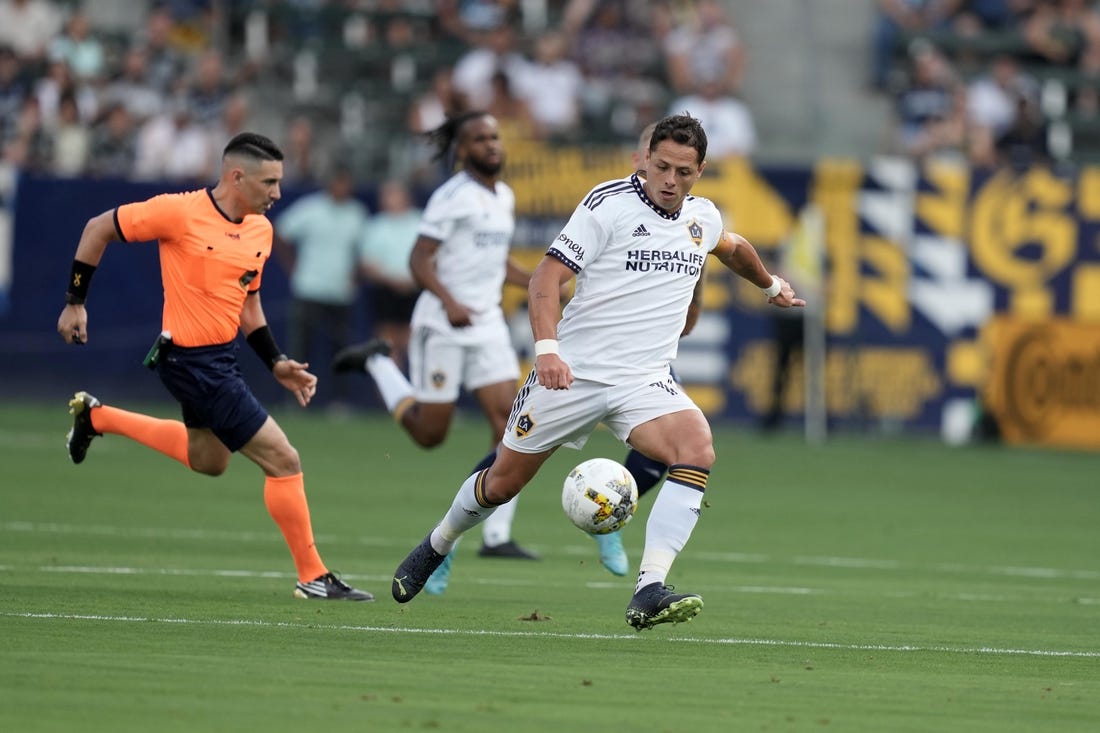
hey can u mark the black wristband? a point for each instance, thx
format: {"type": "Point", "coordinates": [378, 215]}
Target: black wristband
{"type": "Point", "coordinates": [263, 343]}
{"type": "Point", "coordinates": [79, 279]}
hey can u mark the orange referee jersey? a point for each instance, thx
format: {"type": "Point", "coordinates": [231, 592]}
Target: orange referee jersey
{"type": "Point", "coordinates": [208, 263]}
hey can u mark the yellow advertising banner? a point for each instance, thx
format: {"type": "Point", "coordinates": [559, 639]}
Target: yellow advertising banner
{"type": "Point", "coordinates": [1044, 386]}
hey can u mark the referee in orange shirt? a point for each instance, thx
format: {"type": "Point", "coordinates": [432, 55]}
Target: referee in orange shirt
{"type": "Point", "coordinates": [213, 245]}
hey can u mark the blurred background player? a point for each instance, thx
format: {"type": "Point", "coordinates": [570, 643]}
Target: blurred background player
{"type": "Point", "coordinates": [459, 336]}
{"type": "Point", "coordinates": [318, 237]}
{"type": "Point", "coordinates": [384, 262]}
{"type": "Point", "coordinates": [220, 236]}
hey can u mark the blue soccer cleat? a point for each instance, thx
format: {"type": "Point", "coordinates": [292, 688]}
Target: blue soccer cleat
{"type": "Point", "coordinates": [612, 554]}
{"type": "Point", "coordinates": [437, 581]}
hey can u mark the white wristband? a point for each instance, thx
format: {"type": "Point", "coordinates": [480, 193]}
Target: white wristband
{"type": "Point", "coordinates": [773, 290]}
{"type": "Point", "coordinates": [546, 346]}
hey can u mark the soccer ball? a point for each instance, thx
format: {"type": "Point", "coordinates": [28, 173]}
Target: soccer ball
{"type": "Point", "coordinates": [599, 496]}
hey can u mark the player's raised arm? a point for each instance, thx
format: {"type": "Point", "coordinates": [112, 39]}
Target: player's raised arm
{"type": "Point", "coordinates": [100, 230]}
{"type": "Point", "coordinates": [735, 252]}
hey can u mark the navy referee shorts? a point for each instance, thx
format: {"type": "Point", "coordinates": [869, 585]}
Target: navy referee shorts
{"type": "Point", "coordinates": [207, 382]}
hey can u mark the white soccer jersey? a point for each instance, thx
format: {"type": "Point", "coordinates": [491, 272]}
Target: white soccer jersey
{"type": "Point", "coordinates": [474, 227]}
{"type": "Point", "coordinates": [636, 267]}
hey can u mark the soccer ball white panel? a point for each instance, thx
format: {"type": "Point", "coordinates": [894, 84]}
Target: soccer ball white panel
{"type": "Point", "coordinates": [599, 496]}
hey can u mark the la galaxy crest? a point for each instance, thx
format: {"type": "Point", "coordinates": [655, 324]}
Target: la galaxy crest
{"type": "Point", "coordinates": [524, 425]}
{"type": "Point", "coordinates": [695, 231]}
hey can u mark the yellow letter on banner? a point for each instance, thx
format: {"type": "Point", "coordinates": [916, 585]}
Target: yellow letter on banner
{"type": "Point", "coordinates": [1011, 214]}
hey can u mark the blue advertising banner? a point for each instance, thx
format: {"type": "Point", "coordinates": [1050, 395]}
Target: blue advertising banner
{"type": "Point", "coordinates": [917, 261]}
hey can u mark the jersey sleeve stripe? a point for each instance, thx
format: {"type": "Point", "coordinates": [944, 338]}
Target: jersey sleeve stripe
{"type": "Point", "coordinates": [557, 255]}
{"type": "Point", "coordinates": [118, 229]}
{"type": "Point", "coordinates": [598, 194]}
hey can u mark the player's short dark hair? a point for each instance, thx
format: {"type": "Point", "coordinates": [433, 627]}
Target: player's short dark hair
{"type": "Point", "coordinates": [253, 145]}
{"type": "Point", "coordinates": [683, 129]}
{"type": "Point", "coordinates": [444, 136]}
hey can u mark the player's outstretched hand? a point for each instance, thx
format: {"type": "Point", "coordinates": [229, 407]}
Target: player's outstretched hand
{"type": "Point", "coordinates": [72, 324]}
{"type": "Point", "coordinates": [786, 297]}
{"type": "Point", "coordinates": [553, 373]}
{"type": "Point", "coordinates": [294, 376]}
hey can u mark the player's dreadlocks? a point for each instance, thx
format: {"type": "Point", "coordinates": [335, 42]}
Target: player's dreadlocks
{"type": "Point", "coordinates": [683, 129]}
{"type": "Point", "coordinates": [444, 136]}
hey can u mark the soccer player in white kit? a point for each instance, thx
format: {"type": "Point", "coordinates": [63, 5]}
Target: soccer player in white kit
{"type": "Point", "coordinates": [459, 338]}
{"type": "Point", "coordinates": [636, 247]}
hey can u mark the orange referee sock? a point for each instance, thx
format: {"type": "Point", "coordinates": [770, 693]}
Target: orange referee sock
{"type": "Point", "coordinates": [165, 436]}
{"type": "Point", "coordinates": [285, 498]}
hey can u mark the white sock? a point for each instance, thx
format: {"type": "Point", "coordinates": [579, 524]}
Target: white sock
{"type": "Point", "coordinates": [671, 521]}
{"type": "Point", "coordinates": [465, 513]}
{"type": "Point", "coordinates": [391, 382]}
{"type": "Point", "coordinates": [497, 529]}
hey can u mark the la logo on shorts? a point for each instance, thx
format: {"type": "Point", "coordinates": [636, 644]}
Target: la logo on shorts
{"type": "Point", "coordinates": [524, 425]}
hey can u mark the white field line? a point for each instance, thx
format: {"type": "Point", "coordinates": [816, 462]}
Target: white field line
{"type": "Point", "coordinates": [903, 648]}
{"type": "Point", "coordinates": [571, 550]}
{"type": "Point", "coordinates": [282, 575]}
{"type": "Point", "coordinates": [518, 583]}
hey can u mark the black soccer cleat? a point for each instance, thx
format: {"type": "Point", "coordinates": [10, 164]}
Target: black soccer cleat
{"type": "Point", "coordinates": [657, 604]}
{"type": "Point", "coordinates": [329, 588]}
{"type": "Point", "coordinates": [80, 437]}
{"type": "Point", "coordinates": [507, 549]}
{"type": "Point", "coordinates": [354, 358]}
{"type": "Point", "coordinates": [415, 569]}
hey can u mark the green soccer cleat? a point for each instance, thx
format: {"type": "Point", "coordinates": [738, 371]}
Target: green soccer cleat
{"type": "Point", "coordinates": [657, 604]}
{"type": "Point", "coordinates": [82, 432]}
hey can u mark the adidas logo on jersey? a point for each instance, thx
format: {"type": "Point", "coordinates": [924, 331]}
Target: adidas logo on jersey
{"type": "Point", "coordinates": [641, 231]}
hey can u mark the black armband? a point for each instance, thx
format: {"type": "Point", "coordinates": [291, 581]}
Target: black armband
{"type": "Point", "coordinates": [263, 343]}
{"type": "Point", "coordinates": [79, 280]}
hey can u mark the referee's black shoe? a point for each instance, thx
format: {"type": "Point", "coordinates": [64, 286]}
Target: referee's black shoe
{"type": "Point", "coordinates": [329, 588]}
{"type": "Point", "coordinates": [80, 437]}
{"type": "Point", "coordinates": [354, 358]}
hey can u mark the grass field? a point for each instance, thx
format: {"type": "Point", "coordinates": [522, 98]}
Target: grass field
{"type": "Point", "coordinates": [868, 585]}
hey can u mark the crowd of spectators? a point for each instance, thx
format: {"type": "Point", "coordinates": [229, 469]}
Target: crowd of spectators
{"type": "Point", "coordinates": [970, 79]}
{"type": "Point", "coordinates": [158, 99]}
{"type": "Point", "coordinates": [989, 81]}
{"type": "Point", "coordinates": [73, 103]}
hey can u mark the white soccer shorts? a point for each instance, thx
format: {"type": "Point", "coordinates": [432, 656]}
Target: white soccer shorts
{"type": "Point", "coordinates": [543, 418]}
{"type": "Point", "coordinates": [440, 365]}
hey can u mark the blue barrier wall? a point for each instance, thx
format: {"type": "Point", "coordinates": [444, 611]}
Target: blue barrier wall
{"type": "Point", "coordinates": [124, 305]}
{"type": "Point", "coordinates": [919, 259]}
